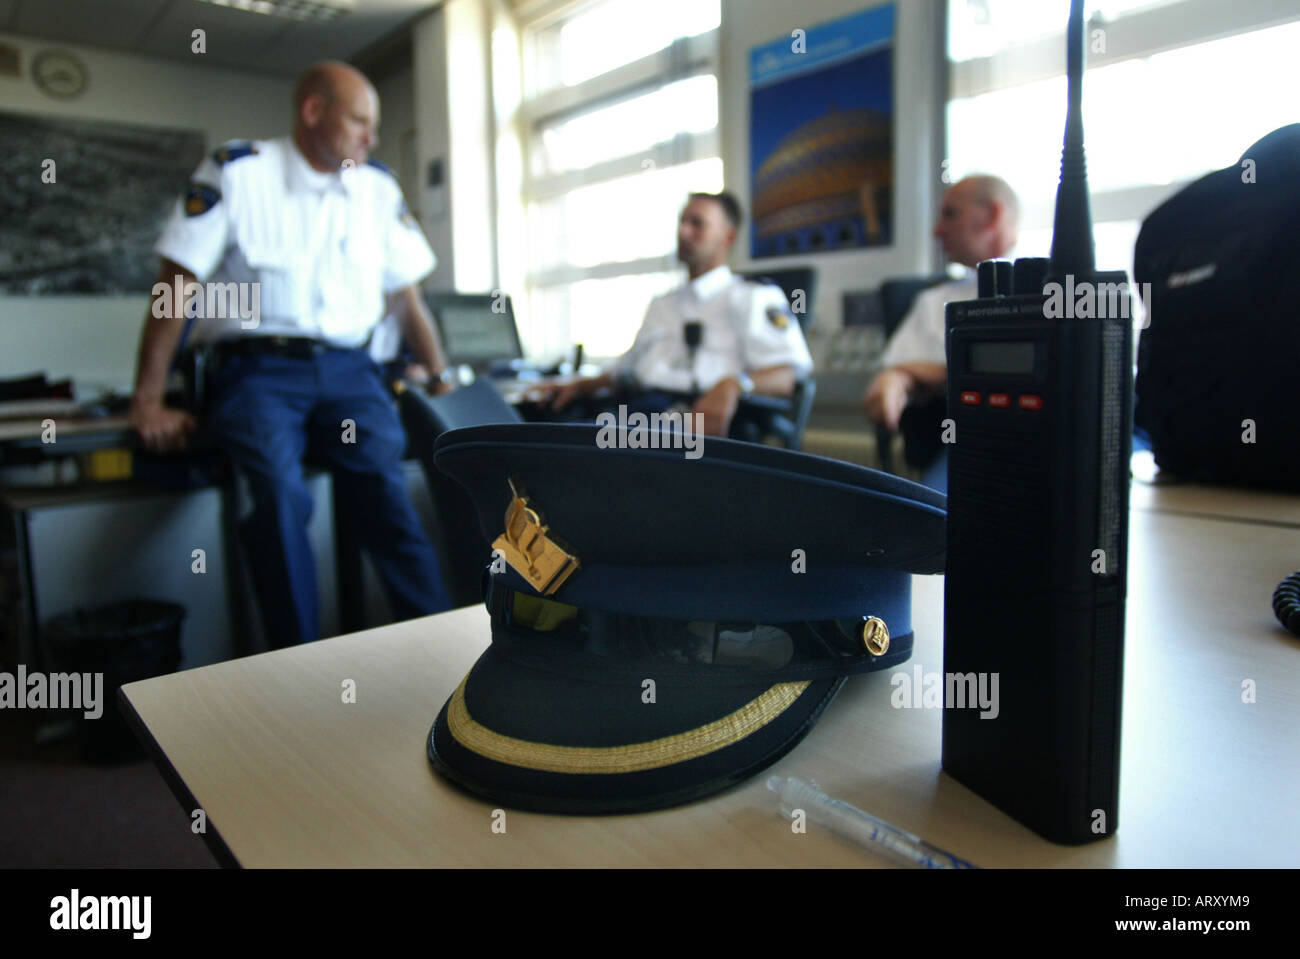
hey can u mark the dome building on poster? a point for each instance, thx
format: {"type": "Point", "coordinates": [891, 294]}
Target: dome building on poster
{"type": "Point", "coordinates": [826, 186]}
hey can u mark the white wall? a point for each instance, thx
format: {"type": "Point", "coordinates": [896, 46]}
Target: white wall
{"type": "Point", "coordinates": [507, 94]}
{"type": "Point", "coordinates": [472, 143]}
{"type": "Point", "coordinates": [465, 56]}
{"type": "Point", "coordinates": [396, 89]}
{"type": "Point", "coordinates": [918, 104]}
{"type": "Point", "coordinates": [94, 338]}
{"type": "Point", "coordinates": [433, 142]}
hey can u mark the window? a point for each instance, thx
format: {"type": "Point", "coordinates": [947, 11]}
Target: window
{"type": "Point", "coordinates": [596, 38]}
{"type": "Point", "coordinates": [619, 124]}
{"type": "Point", "coordinates": [633, 126]}
{"type": "Point", "coordinates": [984, 28]}
{"type": "Point", "coordinates": [1173, 90]}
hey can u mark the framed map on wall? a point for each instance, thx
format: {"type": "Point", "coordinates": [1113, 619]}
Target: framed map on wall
{"type": "Point", "coordinates": [84, 201]}
{"type": "Point", "coordinates": [821, 151]}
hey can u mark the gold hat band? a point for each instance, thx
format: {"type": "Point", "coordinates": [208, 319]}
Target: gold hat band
{"type": "Point", "coordinates": [654, 754]}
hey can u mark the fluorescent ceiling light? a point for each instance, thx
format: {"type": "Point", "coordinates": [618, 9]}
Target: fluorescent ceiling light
{"type": "Point", "coordinates": [322, 10]}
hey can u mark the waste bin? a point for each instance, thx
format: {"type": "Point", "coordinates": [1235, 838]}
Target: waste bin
{"type": "Point", "coordinates": [126, 641]}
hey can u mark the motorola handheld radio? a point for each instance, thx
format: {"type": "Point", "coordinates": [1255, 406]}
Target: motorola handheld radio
{"type": "Point", "coordinates": [1040, 393]}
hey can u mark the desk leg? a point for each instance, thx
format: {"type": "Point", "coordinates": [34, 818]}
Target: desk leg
{"type": "Point", "coordinates": [347, 563]}
{"type": "Point", "coordinates": [245, 622]}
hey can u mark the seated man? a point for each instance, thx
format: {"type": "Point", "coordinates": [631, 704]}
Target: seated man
{"type": "Point", "coordinates": [745, 337]}
{"type": "Point", "coordinates": [978, 220]}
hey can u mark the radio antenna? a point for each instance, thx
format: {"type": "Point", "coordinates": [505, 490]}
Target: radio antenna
{"type": "Point", "coordinates": [1072, 244]}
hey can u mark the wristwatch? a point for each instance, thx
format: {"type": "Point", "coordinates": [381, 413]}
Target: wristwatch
{"type": "Point", "coordinates": [625, 381]}
{"type": "Point", "coordinates": [746, 384]}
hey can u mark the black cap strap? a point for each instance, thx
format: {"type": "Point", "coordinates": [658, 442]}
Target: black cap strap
{"type": "Point", "coordinates": [596, 641]}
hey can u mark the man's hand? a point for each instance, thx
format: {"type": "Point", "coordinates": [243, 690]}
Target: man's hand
{"type": "Point", "coordinates": [560, 395]}
{"type": "Point", "coordinates": [161, 428]}
{"type": "Point", "coordinates": [418, 375]}
{"type": "Point", "coordinates": [886, 397]}
{"type": "Point", "coordinates": [436, 387]}
{"type": "Point", "coordinates": [718, 406]}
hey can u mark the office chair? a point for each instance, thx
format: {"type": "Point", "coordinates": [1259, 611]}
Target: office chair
{"type": "Point", "coordinates": [479, 404]}
{"type": "Point", "coordinates": [462, 550]}
{"type": "Point", "coordinates": [920, 423]}
{"type": "Point", "coordinates": [764, 419]}
{"type": "Point", "coordinates": [793, 281]}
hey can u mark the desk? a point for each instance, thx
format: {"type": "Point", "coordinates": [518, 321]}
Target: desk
{"type": "Point", "coordinates": [290, 776]}
{"type": "Point", "coordinates": [73, 435]}
{"type": "Point", "coordinates": [1223, 502]}
{"type": "Point", "coordinates": [516, 390]}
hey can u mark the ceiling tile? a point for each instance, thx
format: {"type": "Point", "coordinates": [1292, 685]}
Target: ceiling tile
{"type": "Point", "coordinates": [235, 38]}
{"type": "Point", "coordinates": [104, 23]}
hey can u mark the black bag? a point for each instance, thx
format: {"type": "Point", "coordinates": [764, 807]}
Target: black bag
{"type": "Point", "coordinates": [1217, 385]}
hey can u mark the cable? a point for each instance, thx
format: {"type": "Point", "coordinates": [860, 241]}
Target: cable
{"type": "Point", "coordinates": [1286, 602]}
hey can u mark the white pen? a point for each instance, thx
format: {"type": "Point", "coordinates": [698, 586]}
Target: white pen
{"type": "Point", "coordinates": [863, 828]}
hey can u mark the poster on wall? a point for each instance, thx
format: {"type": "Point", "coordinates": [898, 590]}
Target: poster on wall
{"type": "Point", "coordinates": [821, 147]}
{"type": "Point", "coordinates": [84, 202]}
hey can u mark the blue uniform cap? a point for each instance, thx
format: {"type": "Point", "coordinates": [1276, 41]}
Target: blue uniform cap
{"type": "Point", "coordinates": [745, 582]}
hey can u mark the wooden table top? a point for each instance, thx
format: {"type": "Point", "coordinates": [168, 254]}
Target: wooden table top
{"type": "Point", "coordinates": [1224, 502]}
{"type": "Point", "coordinates": [290, 775]}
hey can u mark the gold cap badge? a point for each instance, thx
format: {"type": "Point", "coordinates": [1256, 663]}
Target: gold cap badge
{"type": "Point", "coordinates": [528, 549]}
{"type": "Point", "coordinates": [875, 636]}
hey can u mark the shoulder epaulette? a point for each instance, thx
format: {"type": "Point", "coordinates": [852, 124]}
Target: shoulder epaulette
{"type": "Point", "coordinates": [233, 150]}
{"type": "Point", "coordinates": [382, 168]}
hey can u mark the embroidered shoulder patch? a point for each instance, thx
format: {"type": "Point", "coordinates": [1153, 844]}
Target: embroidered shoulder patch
{"type": "Point", "coordinates": [779, 317]}
{"type": "Point", "coordinates": [200, 198]}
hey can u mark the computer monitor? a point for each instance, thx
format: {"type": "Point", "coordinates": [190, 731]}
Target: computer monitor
{"type": "Point", "coordinates": [473, 333]}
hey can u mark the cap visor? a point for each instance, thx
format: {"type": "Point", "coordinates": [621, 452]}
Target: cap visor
{"type": "Point", "coordinates": [538, 740]}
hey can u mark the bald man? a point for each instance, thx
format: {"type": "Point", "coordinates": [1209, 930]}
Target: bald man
{"type": "Point", "coordinates": [979, 220]}
{"type": "Point", "coordinates": [281, 256]}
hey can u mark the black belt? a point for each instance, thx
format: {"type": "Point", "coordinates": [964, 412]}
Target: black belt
{"type": "Point", "coordinates": [299, 347]}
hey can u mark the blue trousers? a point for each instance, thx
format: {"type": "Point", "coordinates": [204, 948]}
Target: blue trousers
{"type": "Point", "coordinates": [936, 474]}
{"type": "Point", "coordinates": [267, 413]}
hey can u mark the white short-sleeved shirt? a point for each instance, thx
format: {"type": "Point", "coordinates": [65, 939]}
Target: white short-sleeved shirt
{"type": "Point", "coordinates": [920, 338]}
{"type": "Point", "coordinates": [323, 248]}
{"type": "Point", "coordinates": [386, 341]}
{"type": "Point", "coordinates": [746, 326]}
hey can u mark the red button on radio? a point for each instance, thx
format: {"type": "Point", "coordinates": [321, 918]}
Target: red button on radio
{"type": "Point", "coordinates": [1000, 400]}
{"type": "Point", "coordinates": [1030, 401]}
{"type": "Point", "coordinates": [970, 397]}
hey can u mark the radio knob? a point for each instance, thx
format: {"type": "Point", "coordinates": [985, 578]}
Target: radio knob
{"type": "Point", "coordinates": [1003, 277]}
{"type": "Point", "coordinates": [1029, 275]}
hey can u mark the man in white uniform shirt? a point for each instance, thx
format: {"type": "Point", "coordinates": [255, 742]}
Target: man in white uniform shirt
{"type": "Point", "coordinates": [323, 236]}
{"type": "Point", "coordinates": [979, 220]}
{"type": "Point", "coordinates": [748, 339]}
